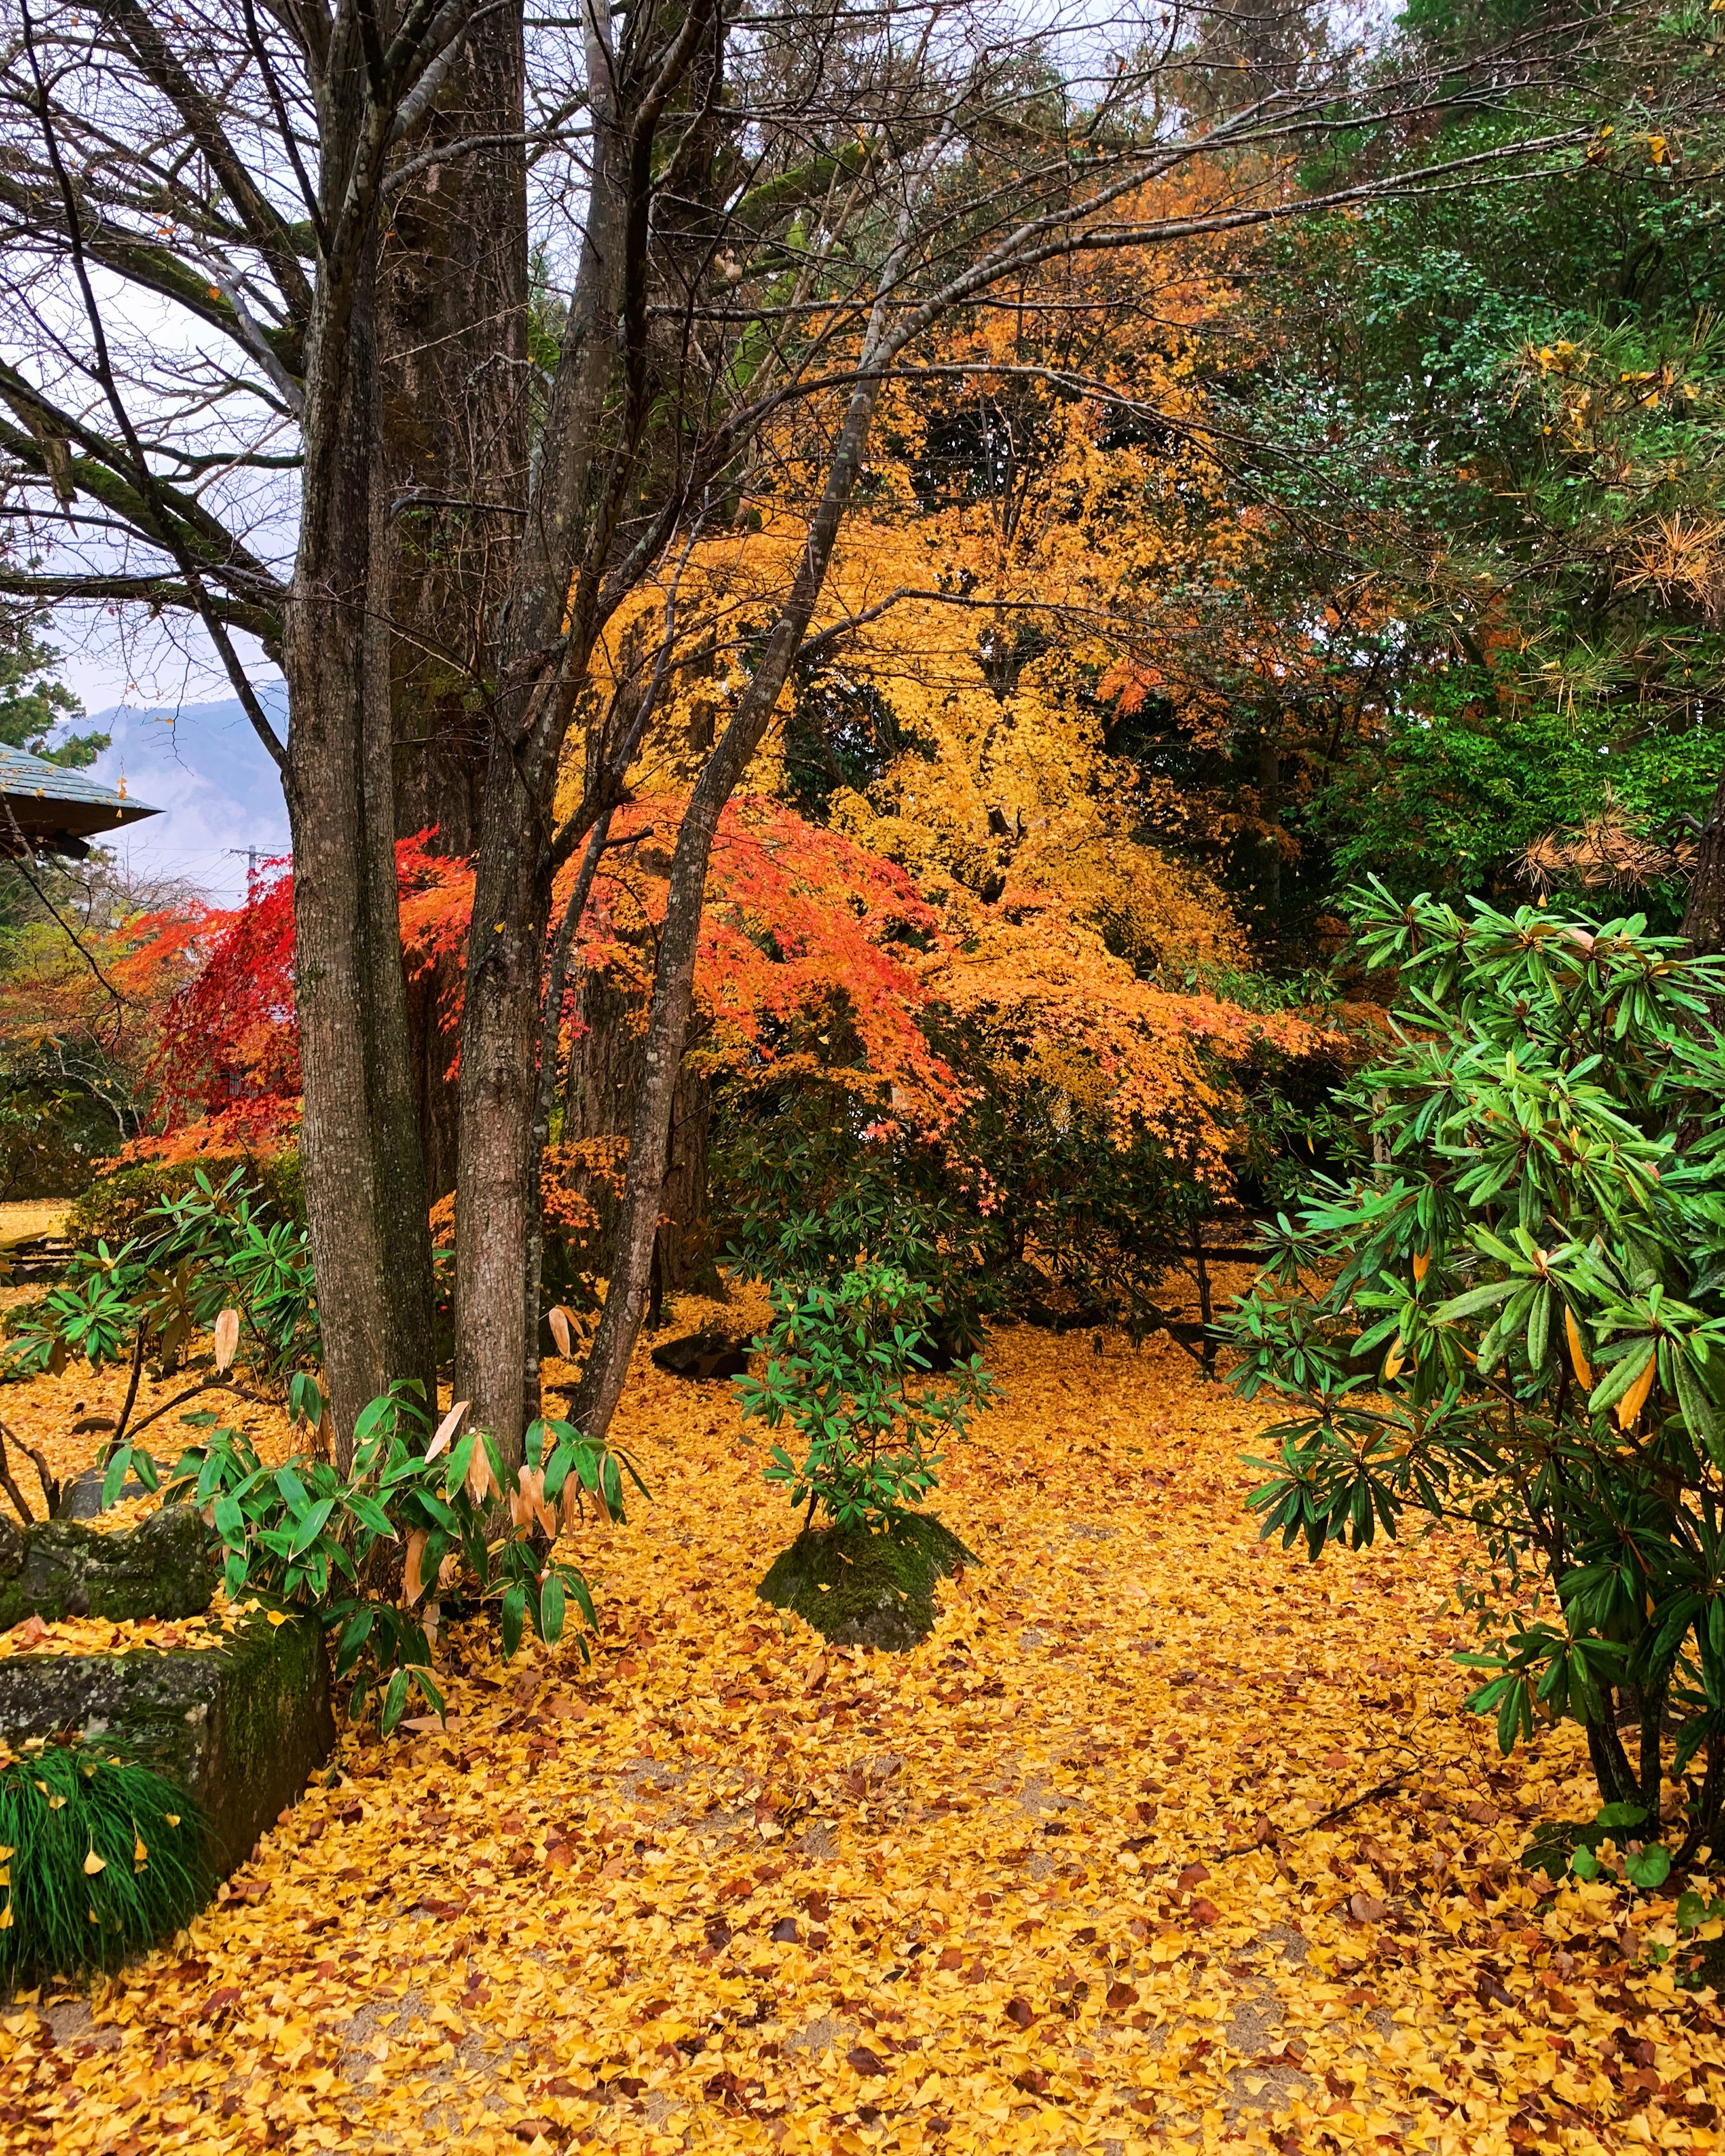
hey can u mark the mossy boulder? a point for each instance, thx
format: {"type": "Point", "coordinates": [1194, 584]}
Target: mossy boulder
{"type": "Point", "coordinates": [859, 1587]}
{"type": "Point", "coordinates": [241, 1726]}
{"type": "Point", "coordinates": [56, 1569]}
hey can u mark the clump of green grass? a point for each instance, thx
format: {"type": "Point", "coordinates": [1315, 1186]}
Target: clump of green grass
{"type": "Point", "coordinates": [100, 1858]}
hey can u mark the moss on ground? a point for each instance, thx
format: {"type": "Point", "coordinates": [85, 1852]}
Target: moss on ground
{"type": "Point", "coordinates": [863, 1588]}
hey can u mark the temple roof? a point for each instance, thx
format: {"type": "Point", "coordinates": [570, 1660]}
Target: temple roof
{"type": "Point", "coordinates": [47, 804]}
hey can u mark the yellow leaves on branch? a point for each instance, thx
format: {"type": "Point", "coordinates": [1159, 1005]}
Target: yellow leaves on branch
{"type": "Point", "coordinates": [1577, 1353]}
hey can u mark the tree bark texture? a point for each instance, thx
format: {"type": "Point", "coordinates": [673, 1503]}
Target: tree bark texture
{"type": "Point", "coordinates": [548, 642]}
{"type": "Point", "coordinates": [365, 1191]}
{"type": "Point", "coordinates": [604, 1078]}
{"type": "Point", "coordinates": [453, 285]}
{"type": "Point", "coordinates": [1704, 910]}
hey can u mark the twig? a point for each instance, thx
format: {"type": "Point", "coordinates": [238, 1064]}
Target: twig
{"type": "Point", "coordinates": [203, 1385]}
{"type": "Point", "coordinates": [50, 1486]}
{"type": "Point", "coordinates": [1324, 1819]}
{"type": "Point", "coordinates": [11, 1489]}
{"type": "Point", "coordinates": [131, 1392]}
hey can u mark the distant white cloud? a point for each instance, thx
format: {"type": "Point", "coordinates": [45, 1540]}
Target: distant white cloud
{"type": "Point", "coordinates": [216, 786]}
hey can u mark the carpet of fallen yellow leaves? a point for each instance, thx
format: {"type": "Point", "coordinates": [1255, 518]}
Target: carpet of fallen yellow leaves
{"type": "Point", "coordinates": [1165, 1840]}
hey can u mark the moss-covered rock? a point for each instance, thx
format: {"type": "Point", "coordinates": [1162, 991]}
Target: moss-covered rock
{"type": "Point", "coordinates": [240, 1727]}
{"type": "Point", "coordinates": [57, 1569]}
{"type": "Point", "coordinates": [870, 1589]}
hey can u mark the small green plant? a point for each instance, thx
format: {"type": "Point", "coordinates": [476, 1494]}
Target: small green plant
{"type": "Point", "coordinates": [193, 1255]}
{"type": "Point", "coordinates": [377, 1553]}
{"type": "Point", "coordinates": [100, 1858]}
{"type": "Point", "coordinates": [1568, 1843]}
{"type": "Point", "coordinates": [841, 1360]}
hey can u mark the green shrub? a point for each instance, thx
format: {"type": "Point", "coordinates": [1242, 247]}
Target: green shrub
{"type": "Point", "coordinates": [366, 1550]}
{"type": "Point", "coordinates": [114, 1208]}
{"type": "Point", "coordinates": [100, 1858]}
{"type": "Point", "coordinates": [208, 1247]}
{"type": "Point", "coordinates": [840, 1363]}
{"type": "Point", "coordinates": [1512, 1317]}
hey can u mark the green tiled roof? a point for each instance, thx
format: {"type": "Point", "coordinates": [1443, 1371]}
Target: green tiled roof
{"type": "Point", "coordinates": [43, 799]}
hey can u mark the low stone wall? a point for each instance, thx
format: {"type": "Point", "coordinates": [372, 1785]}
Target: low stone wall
{"type": "Point", "coordinates": [56, 1569]}
{"type": "Point", "coordinates": [242, 1726]}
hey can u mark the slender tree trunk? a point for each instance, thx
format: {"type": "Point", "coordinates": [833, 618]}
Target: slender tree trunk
{"type": "Point", "coordinates": [603, 1082]}
{"type": "Point", "coordinates": [674, 977]}
{"type": "Point", "coordinates": [452, 336]}
{"type": "Point", "coordinates": [1704, 911]}
{"type": "Point", "coordinates": [365, 1192]}
{"type": "Point", "coordinates": [548, 643]}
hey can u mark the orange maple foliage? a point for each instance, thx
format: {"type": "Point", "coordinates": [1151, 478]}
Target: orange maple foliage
{"type": "Point", "coordinates": [227, 1062]}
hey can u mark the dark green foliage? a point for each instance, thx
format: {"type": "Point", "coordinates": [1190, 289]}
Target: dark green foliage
{"type": "Point", "coordinates": [1449, 798]}
{"type": "Point", "coordinates": [34, 705]}
{"type": "Point", "coordinates": [859, 1586]}
{"type": "Point", "coordinates": [841, 1362]}
{"type": "Point", "coordinates": [803, 1197]}
{"type": "Point", "coordinates": [53, 1138]}
{"type": "Point", "coordinates": [117, 1208]}
{"type": "Point", "coordinates": [75, 1896]}
{"type": "Point", "coordinates": [1512, 1315]}
{"type": "Point", "coordinates": [1026, 1207]}
{"type": "Point", "coordinates": [208, 1247]}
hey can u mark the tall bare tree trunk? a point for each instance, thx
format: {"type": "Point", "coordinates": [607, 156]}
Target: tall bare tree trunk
{"type": "Point", "coordinates": [365, 1188]}
{"type": "Point", "coordinates": [453, 335]}
{"type": "Point", "coordinates": [547, 644]}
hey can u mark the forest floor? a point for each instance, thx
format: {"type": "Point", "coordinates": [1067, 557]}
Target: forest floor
{"type": "Point", "coordinates": [1165, 1840]}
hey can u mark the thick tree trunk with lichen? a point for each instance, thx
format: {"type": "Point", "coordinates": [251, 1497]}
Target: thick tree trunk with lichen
{"type": "Point", "coordinates": [453, 295]}
{"type": "Point", "coordinates": [365, 1188]}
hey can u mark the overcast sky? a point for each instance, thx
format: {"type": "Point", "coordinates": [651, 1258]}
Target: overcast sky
{"type": "Point", "coordinates": [208, 773]}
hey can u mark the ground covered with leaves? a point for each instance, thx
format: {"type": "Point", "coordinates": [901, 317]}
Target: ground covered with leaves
{"type": "Point", "coordinates": [1164, 1840]}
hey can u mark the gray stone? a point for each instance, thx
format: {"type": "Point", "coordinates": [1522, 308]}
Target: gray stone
{"type": "Point", "coordinates": [83, 1497]}
{"type": "Point", "coordinates": [240, 1727]}
{"type": "Point", "coordinates": [703, 1355]}
{"type": "Point", "coordinates": [56, 1569]}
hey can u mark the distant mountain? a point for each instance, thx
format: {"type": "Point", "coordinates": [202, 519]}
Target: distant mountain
{"type": "Point", "coordinates": [218, 789]}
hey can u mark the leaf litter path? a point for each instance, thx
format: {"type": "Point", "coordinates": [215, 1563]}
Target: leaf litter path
{"type": "Point", "coordinates": [1164, 1840]}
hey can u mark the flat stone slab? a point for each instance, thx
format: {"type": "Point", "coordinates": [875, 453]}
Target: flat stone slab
{"type": "Point", "coordinates": [703, 1355]}
{"type": "Point", "coordinates": [82, 1499]}
{"type": "Point", "coordinates": [242, 1725]}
